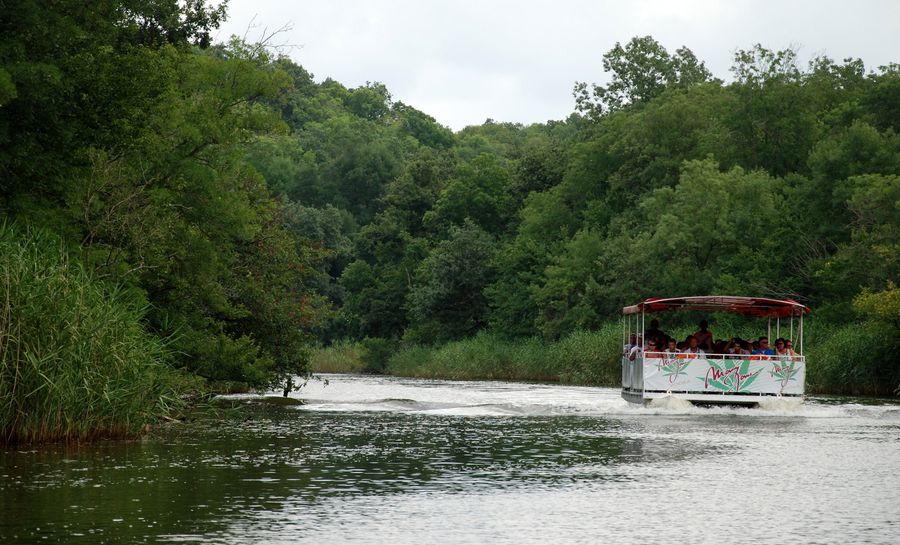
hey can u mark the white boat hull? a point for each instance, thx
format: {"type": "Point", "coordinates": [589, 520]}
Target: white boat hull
{"type": "Point", "coordinates": [732, 380]}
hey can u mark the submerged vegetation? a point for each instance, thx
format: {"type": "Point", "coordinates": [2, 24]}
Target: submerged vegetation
{"type": "Point", "coordinates": [225, 211]}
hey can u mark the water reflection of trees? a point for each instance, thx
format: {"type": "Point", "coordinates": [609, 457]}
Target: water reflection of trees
{"type": "Point", "coordinates": [200, 478]}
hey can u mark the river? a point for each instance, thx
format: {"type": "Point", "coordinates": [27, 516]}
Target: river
{"type": "Point", "coordinates": [391, 460]}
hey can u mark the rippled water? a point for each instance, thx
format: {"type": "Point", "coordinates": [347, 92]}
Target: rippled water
{"type": "Point", "coordinates": [386, 460]}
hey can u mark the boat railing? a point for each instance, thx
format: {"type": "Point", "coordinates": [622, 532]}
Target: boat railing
{"type": "Point", "coordinates": [751, 357]}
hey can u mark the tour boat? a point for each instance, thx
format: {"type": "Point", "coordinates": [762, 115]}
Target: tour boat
{"type": "Point", "coordinates": [739, 379]}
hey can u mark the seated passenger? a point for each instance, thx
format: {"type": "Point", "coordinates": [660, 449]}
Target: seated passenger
{"type": "Point", "coordinates": [719, 347]}
{"type": "Point", "coordinates": [671, 348]}
{"type": "Point", "coordinates": [651, 349]}
{"type": "Point", "coordinates": [733, 346]}
{"type": "Point", "coordinates": [790, 348]}
{"type": "Point", "coordinates": [764, 348]}
{"type": "Point", "coordinates": [693, 349]}
{"type": "Point", "coordinates": [704, 336]}
{"type": "Point", "coordinates": [781, 348]}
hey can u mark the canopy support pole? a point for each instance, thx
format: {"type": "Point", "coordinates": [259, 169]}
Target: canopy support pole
{"type": "Point", "coordinates": [643, 332]}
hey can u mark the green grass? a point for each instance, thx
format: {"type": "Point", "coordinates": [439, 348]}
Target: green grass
{"type": "Point", "coordinates": [75, 361]}
{"type": "Point", "coordinates": [341, 357]}
{"type": "Point", "coordinates": [856, 359]}
{"type": "Point", "coordinates": [582, 357]}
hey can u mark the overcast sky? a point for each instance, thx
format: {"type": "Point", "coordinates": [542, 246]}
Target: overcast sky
{"type": "Point", "coordinates": [465, 61]}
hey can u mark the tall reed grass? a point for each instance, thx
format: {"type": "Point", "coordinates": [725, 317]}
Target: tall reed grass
{"type": "Point", "coordinates": [340, 357]}
{"type": "Point", "coordinates": [75, 361]}
{"type": "Point", "coordinates": [856, 358]}
{"type": "Point", "coordinates": [582, 357]}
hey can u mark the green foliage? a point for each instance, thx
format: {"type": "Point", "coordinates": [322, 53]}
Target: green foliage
{"type": "Point", "coordinates": [582, 357]}
{"type": "Point", "coordinates": [641, 71]}
{"type": "Point", "coordinates": [448, 300]}
{"type": "Point", "coordinates": [478, 194]}
{"type": "Point", "coordinates": [375, 354]}
{"type": "Point", "coordinates": [75, 360]}
{"type": "Point", "coordinates": [340, 357]}
{"type": "Point", "coordinates": [258, 211]}
{"type": "Point", "coordinates": [858, 358]}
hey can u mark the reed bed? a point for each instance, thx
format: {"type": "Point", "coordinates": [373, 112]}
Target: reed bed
{"type": "Point", "coordinates": [340, 357]}
{"type": "Point", "coordinates": [582, 357]}
{"type": "Point", "coordinates": [75, 360]}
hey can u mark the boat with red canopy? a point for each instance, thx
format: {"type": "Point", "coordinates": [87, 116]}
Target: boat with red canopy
{"type": "Point", "coordinates": [652, 372]}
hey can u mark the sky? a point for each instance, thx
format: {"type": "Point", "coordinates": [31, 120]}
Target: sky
{"type": "Point", "coordinates": [464, 61]}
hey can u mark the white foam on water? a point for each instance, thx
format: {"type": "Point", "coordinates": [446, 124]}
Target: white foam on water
{"type": "Point", "coordinates": [671, 403]}
{"type": "Point", "coordinates": [356, 393]}
{"type": "Point", "coordinates": [781, 404]}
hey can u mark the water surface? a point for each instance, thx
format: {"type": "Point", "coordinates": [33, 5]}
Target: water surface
{"type": "Point", "coordinates": [388, 460]}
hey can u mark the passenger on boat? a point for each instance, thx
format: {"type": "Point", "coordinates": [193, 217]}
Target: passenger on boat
{"type": "Point", "coordinates": [704, 336]}
{"type": "Point", "coordinates": [781, 348]}
{"type": "Point", "coordinates": [635, 350]}
{"type": "Point", "coordinates": [764, 348]}
{"type": "Point", "coordinates": [632, 342]}
{"type": "Point", "coordinates": [719, 347]}
{"type": "Point", "coordinates": [736, 347]}
{"type": "Point", "coordinates": [655, 333]}
{"type": "Point", "coordinates": [790, 348]}
{"type": "Point", "coordinates": [671, 348]}
{"type": "Point", "coordinates": [652, 349]}
{"type": "Point", "coordinates": [693, 349]}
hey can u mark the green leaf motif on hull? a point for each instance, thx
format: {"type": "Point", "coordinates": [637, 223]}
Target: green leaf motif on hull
{"type": "Point", "coordinates": [729, 376]}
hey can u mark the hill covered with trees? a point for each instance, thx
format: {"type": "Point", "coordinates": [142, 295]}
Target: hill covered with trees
{"type": "Point", "coordinates": [238, 211]}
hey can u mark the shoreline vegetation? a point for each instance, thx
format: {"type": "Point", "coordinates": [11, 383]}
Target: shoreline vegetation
{"type": "Point", "coordinates": [75, 361]}
{"type": "Point", "coordinates": [180, 217]}
{"type": "Point", "coordinates": [592, 358]}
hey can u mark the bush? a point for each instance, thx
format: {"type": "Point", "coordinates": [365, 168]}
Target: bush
{"type": "Point", "coordinates": [75, 361]}
{"type": "Point", "coordinates": [375, 354]}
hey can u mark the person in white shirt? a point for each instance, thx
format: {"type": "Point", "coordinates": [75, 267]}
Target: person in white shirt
{"type": "Point", "coordinates": [693, 350]}
{"type": "Point", "coordinates": [632, 342]}
{"type": "Point", "coordinates": [635, 350]}
{"type": "Point", "coordinates": [672, 349]}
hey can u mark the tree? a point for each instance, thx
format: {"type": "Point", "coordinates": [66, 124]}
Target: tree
{"type": "Point", "coordinates": [479, 193]}
{"type": "Point", "coordinates": [640, 71]}
{"type": "Point", "coordinates": [447, 300]}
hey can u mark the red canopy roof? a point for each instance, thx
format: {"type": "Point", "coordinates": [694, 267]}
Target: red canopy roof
{"type": "Point", "coordinates": [746, 306]}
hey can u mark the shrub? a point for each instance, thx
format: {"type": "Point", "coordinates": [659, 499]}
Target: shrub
{"type": "Point", "coordinates": [375, 354]}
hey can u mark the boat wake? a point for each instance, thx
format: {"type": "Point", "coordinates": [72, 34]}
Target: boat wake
{"type": "Point", "coordinates": [346, 393]}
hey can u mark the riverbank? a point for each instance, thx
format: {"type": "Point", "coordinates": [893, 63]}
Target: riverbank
{"type": "Point", "coordinates": [582, 357]}
{"type": "Point", "coordinates": [843, 360]}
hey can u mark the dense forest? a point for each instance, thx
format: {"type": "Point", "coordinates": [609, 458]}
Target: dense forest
{"type": "Point", "coordinates": [233, 212]}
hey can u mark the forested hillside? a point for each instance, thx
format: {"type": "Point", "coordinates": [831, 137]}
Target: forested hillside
{"type": "Point", "coordinates": [245, 211]}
